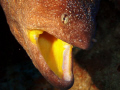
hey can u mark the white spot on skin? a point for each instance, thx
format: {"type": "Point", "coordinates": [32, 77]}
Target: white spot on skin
{"type": "Point", "coordinates": [80, 40]}
{"type": "Point", "coordinates": [74, 40]}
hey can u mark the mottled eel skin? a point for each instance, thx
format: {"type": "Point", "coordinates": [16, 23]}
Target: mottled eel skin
{"type": "Point", "coordinates": [72, 21]}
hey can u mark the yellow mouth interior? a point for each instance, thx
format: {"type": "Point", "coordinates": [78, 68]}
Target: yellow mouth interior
{"type": "Point", "coordinates": [56, 52]}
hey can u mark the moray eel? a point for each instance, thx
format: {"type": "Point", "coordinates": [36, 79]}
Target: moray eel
{"type": "Point", "coordinates": [48, 29]}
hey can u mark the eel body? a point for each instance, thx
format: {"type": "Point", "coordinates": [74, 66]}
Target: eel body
{"type": "Point", "coordinates": [47, 29]}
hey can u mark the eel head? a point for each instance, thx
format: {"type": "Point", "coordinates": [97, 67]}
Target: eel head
{"type": "Point", "coordinates": [47, 29]}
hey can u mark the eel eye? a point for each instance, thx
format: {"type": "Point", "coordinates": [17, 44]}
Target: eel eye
{"type": "Point", "coordinates": [64, 18]}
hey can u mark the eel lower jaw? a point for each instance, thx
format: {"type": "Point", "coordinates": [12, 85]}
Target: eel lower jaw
{"type": "Point", "coordinates": [58, 56]}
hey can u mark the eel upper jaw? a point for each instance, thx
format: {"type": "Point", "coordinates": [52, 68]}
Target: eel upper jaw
{"type": "Point", "coordinates": [52, 57]}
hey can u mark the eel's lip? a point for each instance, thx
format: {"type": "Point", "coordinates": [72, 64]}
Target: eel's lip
{"type": "Point", "coordinates": [58, 71]}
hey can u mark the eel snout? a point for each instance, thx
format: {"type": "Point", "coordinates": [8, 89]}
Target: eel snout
{"type": "Point", "coordinates": [47, 29]}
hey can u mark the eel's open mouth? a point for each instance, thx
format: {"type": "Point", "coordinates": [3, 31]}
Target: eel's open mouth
{"type": "Point", "coordinates": [56, 53]}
